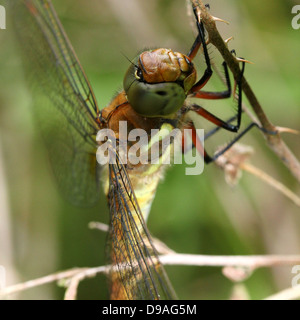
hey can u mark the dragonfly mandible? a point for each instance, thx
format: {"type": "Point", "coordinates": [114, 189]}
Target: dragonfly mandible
{"type": "Point", "coordinates": [156, 87]}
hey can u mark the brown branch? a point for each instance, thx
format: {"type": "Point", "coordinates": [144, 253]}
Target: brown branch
{"type": "Point", "coordinates": [58, 276]}
{"type": "Point", "coordinates": [287, 294]}
{"type": "Point", "coordinates": [74, 276]}
{"type": "Point", "coordinates": [235, 159]}
{"type": "Point", "coordinates": [40, 281]}
{"type": "Point", "coordinates": [274, 140]}
{"type": "Point", "coordinates": [252, 262]}
{"type": "Point", "coordinates": [71, 292]}
{"type": "Point", "coordinates": [271, 181]}
{"type": "Point", "coordinates": [99, 226]}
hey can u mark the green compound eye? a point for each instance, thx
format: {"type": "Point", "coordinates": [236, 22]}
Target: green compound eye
{"type": "Point", "coordinates": [152, 99]}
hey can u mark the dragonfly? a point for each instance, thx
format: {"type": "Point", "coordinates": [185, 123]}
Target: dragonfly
{"type": "Point", "coordinates": [155, 95]}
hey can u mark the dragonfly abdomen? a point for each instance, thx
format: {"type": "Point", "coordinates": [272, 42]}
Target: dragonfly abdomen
{"type": "Point", "coordinates": [130, 188]}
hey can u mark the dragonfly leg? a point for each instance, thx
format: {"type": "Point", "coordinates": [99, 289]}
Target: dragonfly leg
{"type": "Point", "coordinates": [195, 90]}
{"type": "Point", "coordinates": [231, 143]}
{"type": "Point", "coordinates": [196, 93]}
{"type": "Point", "coordinates": [219, 122]}
{"type": "Point", "coordinates": [219, 95]}
{"type": "Point", "coordinates": [214, 119]}
{"type": "Point", "coordinates": [217, 128]}
{"type": "Point", "coordinates": [197, 143]}
{"type": "Point", "coordinates": [199, 40]}
{"type": "Point", "coordinates": [195, 48]}
{"type": "Point", "coordinates": [209, 159]}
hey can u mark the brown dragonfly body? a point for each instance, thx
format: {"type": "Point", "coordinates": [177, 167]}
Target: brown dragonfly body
{"type": "Point", "coordinates": [156, 87]}
{"type": "Point", "coordinates": [159, 66]}
{"type": "Point", "coordinates": [143, 178]}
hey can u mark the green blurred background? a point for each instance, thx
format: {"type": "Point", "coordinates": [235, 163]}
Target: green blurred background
{"type": "Point", "coordinates": [40, 233]}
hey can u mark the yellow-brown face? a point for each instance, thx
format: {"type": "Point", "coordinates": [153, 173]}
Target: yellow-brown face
{"type": "Point", "coordinates": [157, 82]}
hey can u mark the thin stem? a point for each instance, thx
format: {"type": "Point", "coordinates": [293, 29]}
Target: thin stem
{"type": "Point", "coordinates": [271, 181]}
{"type": "Point", "coordinates": [287, 294]}
{"type": "Point", "coordinates": [79, 274]}
{"type": "Point", "coordinates": [252, 262]}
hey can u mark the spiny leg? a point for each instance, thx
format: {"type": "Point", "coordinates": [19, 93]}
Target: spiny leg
{"type": "Point", "coordinates": [220, 124]}
{"type": "Point", "coordinates": [195, 90]}
{"type": "Point", "coordinates": [197, 93]}
{"type": "Point", "coordinates": [236, 139]}
{"type": "Point", "coordinates": [209, 159]}
{"type": "Point", "coordinates": [213, 119]}
{"type": "Point", "coordinates": [227, 125]}
{"type": "Point", "coordinates": [214, 95]}
{"type": "Point", "coordinates": [198, 144]}
{"type": "Point", "coordinates": [216, 129]}
{"type": "Point", "coordinates": [217, 121]}
{"type": "Point", "coordinates": [195, 48]}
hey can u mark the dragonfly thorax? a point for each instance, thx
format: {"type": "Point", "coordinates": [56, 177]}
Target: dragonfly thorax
{"type": "Point", "coordinates": [157, 82]}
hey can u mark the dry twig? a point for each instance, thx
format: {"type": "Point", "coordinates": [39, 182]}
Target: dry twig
{"type": "Point", "coordinates": [287, 294]}
{"type": "Point", "coordinates": [274, 140]}
{"type": "Point", "coordinates": [235, 159]}
{"type": "Point", "coordinates": [74, 276]}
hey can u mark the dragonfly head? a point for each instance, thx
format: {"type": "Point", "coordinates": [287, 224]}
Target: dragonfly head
{"type": "Point", "coordinates": [157, 82]}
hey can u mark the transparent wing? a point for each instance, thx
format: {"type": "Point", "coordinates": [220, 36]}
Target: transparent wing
{"type": "Point", "coordinates": [66, 110]}
{"type": "Point", "coordinates": [137, 273]}
{"type": "Point", "coordinates": [64, 102]}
